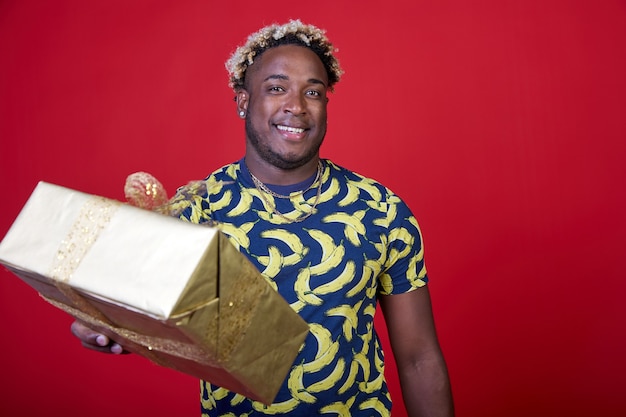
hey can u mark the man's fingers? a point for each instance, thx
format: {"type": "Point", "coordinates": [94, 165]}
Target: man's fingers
{"type": "Point", "coordinates": [87, 335]}
{"type": "Point", "coordinates": [93, 340]}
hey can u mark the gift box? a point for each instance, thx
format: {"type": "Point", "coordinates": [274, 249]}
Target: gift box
{"type": "Point", "coordinates": [176, 293]}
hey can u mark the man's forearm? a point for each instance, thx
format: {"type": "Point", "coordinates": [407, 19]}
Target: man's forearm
{"type": "Point", "coordinates": [426, 388]}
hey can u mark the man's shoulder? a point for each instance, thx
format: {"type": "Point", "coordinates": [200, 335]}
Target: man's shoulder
{"type": "Point", "coordinates": [377, 189]}
{"type": "Point", "coordinates": [224, 175]}
{"type": "Point", "coordinates": [351, 174]}
{"type": "Point", "coordinates": [226, 172]}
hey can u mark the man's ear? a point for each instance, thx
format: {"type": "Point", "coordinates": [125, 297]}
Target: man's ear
{"type": "Point", "coordinates": [241, 98]}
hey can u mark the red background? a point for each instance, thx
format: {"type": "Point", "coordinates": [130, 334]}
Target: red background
{"type": "Point", "coordinates": [501, 123]}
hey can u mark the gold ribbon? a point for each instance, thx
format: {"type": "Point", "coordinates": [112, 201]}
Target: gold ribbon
{"type": "Point", "coordinates": [94, 215]}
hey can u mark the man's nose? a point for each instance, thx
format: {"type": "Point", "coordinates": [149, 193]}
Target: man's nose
{"type": "Point", "coordinates": [295, 104]}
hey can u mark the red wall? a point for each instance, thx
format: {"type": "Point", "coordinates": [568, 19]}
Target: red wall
{"type": "Point", "coordinates": [503, 125]}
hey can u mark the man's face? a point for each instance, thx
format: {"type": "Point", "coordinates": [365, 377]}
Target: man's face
{"type": "Point", "coordinates": [285, 101]}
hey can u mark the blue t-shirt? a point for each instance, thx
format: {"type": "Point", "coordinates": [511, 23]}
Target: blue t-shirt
{"type": "Point", "coordinates": [360, 240]}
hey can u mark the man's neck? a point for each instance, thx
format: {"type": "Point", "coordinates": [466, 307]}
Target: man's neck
{"type": "Point", "coordinates": [270, 174]}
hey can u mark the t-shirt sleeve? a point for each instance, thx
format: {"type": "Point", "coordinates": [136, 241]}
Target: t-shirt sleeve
{"type": "Point", "coordinates": [190, 203]}
{"type": "Point", "coordinates": [404, 269]}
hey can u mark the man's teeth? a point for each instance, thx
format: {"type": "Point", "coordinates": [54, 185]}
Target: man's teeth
{"type": "Point", "coordinates": [290, 129]}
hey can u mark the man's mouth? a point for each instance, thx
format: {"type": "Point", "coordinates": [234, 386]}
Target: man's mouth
{"type": "Point", "coordinates": [290, 129]}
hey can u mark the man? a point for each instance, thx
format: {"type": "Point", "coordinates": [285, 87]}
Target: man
{"type": "Point", "coordinates": [330, 241]}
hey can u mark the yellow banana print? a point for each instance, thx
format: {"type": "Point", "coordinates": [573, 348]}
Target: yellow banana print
{"type": "Point", "coordinates": [332, 261]}
{"type": "Point", "coordinates": [220, 393]}
{"type": "Point", "coordinates": [303, 291]}
{"type": "Point", "coordinates": [326, 242]}
{"type": "Point", "coordinates": [386, 284]}
{"type": "Point", "coordinates": [350, 314]}
{"type": "Point", "coordinates": [375, 384]}
{"type": "Point", "coordinates": [224, 201]}
{"type": "Point", "coordinates": [209, 402]}
{"type": "Point", "coordinates": [239, 235]}
{"type": "Point", "coordinates": [352, 235]}
{"type": "Point", "coordinates": [237, 399]}
{"type": "Point", "coordinates": [381, 221]}
{"type": "Point", "coordinates": [324, 360]}
{"type": "Point", "coordinates": [364, 364]}
{"type": "Point", "coordinates": [374, 264]}
{"type": "Point", "coordinates": [392, 213]}
{"type": "Point", "coordinates": [366, 277]}
{"type": "Point", "coordinates": [367, 338]}
{"type": "Point", "coordinates": [339, 408]}
{"type": "Point", "coordinates": [328, 194]}
{"type": "Point", "coordinates": [297, 305]}
{"type": "Point", "coordinates": [178, 207]}
{"type": "Point", "coordinates": [296, 387]}
{"type": "Point", "coordinates": [400, 233]}
{"type": "Point", "coordinates": [232, 170]}
{"type": "Point", "coordinates": [375, 404]}
{"type": "Point", "coordinates": [294, 258]}
{"type": "Point", "coordinates": [326, 349]}
{"type": "Point", "coordinates": [276, 408]}
{"type": "Point", "coordinates": [323, 337]}
{"type": "Point", "coordinates": [243, 206]}
{"type": "Point", "coordinates": [412, 274]}
{"type": "Point", "coordinates": [393, 198]}
{"type": "Point", "coordinates": [338, 283]}
{"type": "Point", "coordinates": [382, 249]}
{"type": "Point", "coordinates": [377, 205]}
{"type": "Point", "coordinates": [305, 205]}
{"type": "Point", "coordinates": [367, 186]}
{"type": "Point", "coordinates": [275, 262]}
{"type": "Point", "coordinates": [352, 220]}
{"type": "Point", "coordinates": [289, 238]}
{"type": "Point", "coordinates": [270, 217]}
{"type": "Point", "coordinates": [263, 259]}
{"type": "Point", "coordinates": [196, 215]}
{"type": "Point", "coordinates": [352, 195]}
{"type": "Point", "coordinates": [328, 382]}
{"type": "Point", "coordinates": [370, 310]}
{"type": "Point", "coordinates": [354, 369]}
{"type": "Point", "coordinates": [379, 361]}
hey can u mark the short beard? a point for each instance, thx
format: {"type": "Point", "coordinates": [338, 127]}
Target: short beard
{"type": "Point", "coordinates": [275, 159]}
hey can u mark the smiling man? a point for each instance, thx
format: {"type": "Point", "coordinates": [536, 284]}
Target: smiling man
{"type": "Point", "coordinates": [332, 242]}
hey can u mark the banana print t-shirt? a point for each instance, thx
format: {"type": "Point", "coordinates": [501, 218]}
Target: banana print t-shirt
{"type": "Point", "coordinates": [360, 241]}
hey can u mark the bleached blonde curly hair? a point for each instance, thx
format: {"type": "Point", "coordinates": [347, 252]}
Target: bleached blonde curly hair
{"type": "Point", "coordinates": [293, 32]}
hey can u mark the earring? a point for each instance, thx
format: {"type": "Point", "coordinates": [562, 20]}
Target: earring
{"type": "Point", "coordinates": [242, 114]}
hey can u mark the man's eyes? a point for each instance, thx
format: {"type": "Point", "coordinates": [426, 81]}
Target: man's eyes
{"type": "Point", "coordinates": [279, 89]}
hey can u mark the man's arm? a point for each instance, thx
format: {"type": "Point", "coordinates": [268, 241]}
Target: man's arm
{"type": "Point", "coordinates": [421, 366]}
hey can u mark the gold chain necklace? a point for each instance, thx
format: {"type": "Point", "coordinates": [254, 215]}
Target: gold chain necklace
{"type": "Point", "coordinates": [262, 188]}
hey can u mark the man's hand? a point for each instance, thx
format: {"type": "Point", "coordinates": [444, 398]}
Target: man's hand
{"type": "Point", "coordinates": [94, 340]}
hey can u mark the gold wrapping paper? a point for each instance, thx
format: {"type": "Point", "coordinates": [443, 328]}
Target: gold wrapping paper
{"type": "Point", "coordinates": [178, 294]}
